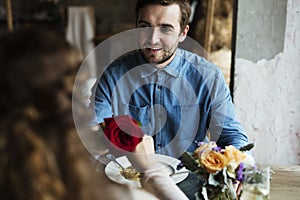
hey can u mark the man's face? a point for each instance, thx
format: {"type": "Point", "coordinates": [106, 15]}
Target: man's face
{"type": "Point", "coordinates": [160, 33]}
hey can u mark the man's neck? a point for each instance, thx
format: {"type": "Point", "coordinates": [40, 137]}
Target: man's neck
{"type": "Point", "coordinates": [165, 63]}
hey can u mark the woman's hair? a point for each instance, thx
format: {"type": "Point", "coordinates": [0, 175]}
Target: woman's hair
{"type": "Point", "coordinates": [42, 157]}
{"type": "Point", "coordinates": [184, 6]}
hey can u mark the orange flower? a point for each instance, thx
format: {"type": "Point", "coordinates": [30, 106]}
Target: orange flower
{"type": "Point", "coordinates": [213, 161]}
{"type": "Point", "coordinates": [235, 157]}
{"type": "Point", "coordinates": [234, 154]}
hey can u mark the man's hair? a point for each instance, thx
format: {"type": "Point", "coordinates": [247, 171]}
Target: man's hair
{"type": "Point", "coordinates": [184, 5]}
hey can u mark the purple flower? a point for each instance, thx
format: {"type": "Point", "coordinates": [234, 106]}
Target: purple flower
{"type": "Point", "coordinates": [239, 172]}
{"type": "Point", "coordinates": [217, 149]}
{"type": "Point", "coordinates": [180, 166]}
{"type": "Point", "coordinates": [199, 143]}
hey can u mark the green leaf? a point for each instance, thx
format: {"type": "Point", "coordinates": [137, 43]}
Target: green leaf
{"type": "Point", "coordinates": [189, 162]}
{"type": "Point", "coordinates": [248, 147]}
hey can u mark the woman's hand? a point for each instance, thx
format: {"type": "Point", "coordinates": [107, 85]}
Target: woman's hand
{"type": "Point", "coordinates": [144, 155]}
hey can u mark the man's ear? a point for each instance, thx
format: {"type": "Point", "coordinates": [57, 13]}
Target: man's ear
{"type": "Point", "coordinates": [184, 33]}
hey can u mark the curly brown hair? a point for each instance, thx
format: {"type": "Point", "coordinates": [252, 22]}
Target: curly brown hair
{"type": "Point", "coordinates": [42, 157]}
{"type": "Point", "coordinates": [184, 6]}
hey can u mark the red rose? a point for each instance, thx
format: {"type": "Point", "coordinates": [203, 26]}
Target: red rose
{"type": "Point", "coordinates": [123, 131]}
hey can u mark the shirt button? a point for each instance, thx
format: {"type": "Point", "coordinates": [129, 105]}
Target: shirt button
{"type": "Point", "coordinates": [159, 87]}
{"type": "Point", "coordinates": [158, 145]}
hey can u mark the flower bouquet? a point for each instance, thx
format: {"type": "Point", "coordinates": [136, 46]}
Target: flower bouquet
{"type": "Point", "coordinates": [218, 169]}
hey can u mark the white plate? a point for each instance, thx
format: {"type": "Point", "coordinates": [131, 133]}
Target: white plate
{"type": "Point", "coordinates": [113, 172]}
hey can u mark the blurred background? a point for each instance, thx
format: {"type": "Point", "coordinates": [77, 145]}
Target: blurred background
{"type": "Point", "coordinates": [256, 44]}
{"type": "Point", "coordinates": [115, 16]}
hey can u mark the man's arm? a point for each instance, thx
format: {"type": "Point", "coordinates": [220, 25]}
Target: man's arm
{"type": "Point", "coordinates": [101, 101]}
{"type": "Point", "coordinates": [224, 126]}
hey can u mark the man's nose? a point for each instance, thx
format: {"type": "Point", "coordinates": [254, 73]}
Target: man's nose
{"type": "Point", "coordinates": [154, 35]}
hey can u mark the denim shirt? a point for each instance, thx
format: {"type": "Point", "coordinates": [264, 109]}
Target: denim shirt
{"type": "Point", "coordinates": [177, 105]}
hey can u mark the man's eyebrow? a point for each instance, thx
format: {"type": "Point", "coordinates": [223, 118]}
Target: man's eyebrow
{"type": "Point", "coordinates": [143, 22]}
{"type": "Point", "coordinates": [166, 25]}
{"type": "Point", "coordinates": [162, 24]}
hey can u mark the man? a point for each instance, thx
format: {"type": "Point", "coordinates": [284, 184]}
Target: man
{"type": "Point", "coordinates": [176, 95]}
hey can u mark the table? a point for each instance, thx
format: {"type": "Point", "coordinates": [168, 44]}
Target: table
{"type": "Point", "coordinates": [285, 183]}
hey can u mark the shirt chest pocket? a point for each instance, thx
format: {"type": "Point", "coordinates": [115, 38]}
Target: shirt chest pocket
{"type": "Point", "coordinates": [141, 114]}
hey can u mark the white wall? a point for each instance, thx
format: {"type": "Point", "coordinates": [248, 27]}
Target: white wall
{"type": "Point", "coordinates": [267, 91]}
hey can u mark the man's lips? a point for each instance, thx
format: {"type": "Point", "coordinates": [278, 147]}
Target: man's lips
{"type": "Point", "coordinates": [153, 49]}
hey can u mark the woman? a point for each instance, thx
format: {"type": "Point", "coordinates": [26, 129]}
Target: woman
{"type": "Point", "coordinates": [42, 157]}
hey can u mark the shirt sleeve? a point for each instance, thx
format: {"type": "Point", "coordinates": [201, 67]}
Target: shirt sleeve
{"type": "Point", "coordinates": [101, 100]}
{"type": "Point", "coordinates": [224, 126]}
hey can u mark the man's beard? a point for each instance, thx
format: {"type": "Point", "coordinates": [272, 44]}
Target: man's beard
{"type": "Point", "coordinates": [170, 54]}
{"type": "Point", "coordinates": [164, 57]}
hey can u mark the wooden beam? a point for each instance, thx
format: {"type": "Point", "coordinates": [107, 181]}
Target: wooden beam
{"type": "Point", "coordinates": [9, 16]}
{"type": "Point", "coordinates": [209, 24]}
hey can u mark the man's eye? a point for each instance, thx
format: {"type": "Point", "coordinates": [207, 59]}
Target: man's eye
{"type": "Point", "coordinates": [143, 26]}
{"type": "Point", "coordinates": [166, 29]}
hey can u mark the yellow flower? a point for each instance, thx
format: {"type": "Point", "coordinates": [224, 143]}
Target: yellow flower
{"type": "Point", "coordinates": [213, 161]}
{"type": "Point", "coordinates": [235, 157]}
